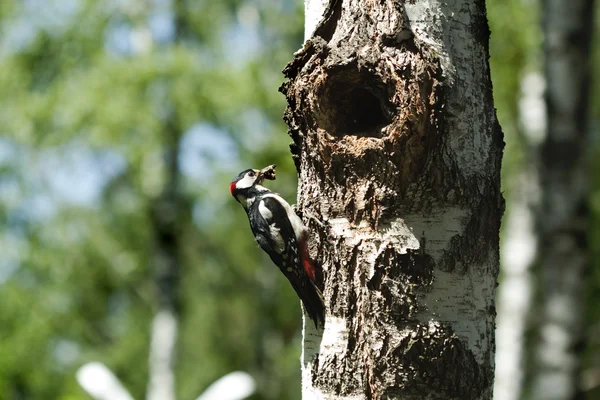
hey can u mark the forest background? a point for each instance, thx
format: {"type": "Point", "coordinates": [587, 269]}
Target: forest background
{"type": "Point", "coordinates": [114, 114]}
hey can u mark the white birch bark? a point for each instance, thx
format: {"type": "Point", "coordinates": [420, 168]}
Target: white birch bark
{"type": "Point", "coordinates": [313, 14]}
{"type": "Point", "coordinates": [398, 151]}
{"type": "Point", "coordinates": [564, 250]}
{"type": "Point", "coordinates": [161, 383]}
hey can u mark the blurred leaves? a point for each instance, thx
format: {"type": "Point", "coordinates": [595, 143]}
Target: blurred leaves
{"type": "Point", "coordinates": [88, 93]}
{"type": "Point", "coordinates": [515, 50]}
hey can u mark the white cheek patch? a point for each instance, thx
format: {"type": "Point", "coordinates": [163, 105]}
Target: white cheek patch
{"type": "Point", "coordinates": [245, 182]}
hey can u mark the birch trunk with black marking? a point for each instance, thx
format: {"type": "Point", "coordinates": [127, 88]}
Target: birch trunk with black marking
{"type": "Point", "coordinates": [564, 250]}
{"type": "Point", "coordinates": [167, 214]}
{"type": "Point", "coordinates": [398, 152]}
{"type": "Point", "coordinates": [166, 219]}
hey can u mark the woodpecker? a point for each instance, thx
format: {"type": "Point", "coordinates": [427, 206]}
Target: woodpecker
{"type": "Point", "coordinates": [281, 234]}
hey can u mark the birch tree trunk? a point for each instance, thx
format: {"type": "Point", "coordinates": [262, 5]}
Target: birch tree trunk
{"type": "Point", "coordinates": [568, 28]}
{"type": "Point", "coordinates": [167, 213]}
{"type": "Point", "coordinates": [398, 151]}
{"type": "Point", "coordinates": [166, 218]}
{"type": "Point", "coordinates": [520, 246]}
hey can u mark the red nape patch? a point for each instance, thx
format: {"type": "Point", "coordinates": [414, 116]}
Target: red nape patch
{"type": "Point", "coordinates": [309, 269]}
{"type": "Point", "coordinates": [232, 187]}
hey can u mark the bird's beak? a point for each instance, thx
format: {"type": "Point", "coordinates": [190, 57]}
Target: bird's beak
{"type": "Point", "coordinates": [267, 173]}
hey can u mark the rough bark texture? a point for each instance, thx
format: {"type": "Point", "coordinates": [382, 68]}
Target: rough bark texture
{"type": "Point", "coordinates": [568, 28]}
{"type": "Point", "coordinates": [398, 152]}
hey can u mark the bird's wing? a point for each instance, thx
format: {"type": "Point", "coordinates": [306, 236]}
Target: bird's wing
{"type": "Point", "coordinates": [275, 236]}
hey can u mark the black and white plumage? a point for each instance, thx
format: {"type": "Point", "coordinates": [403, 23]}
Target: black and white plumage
{"type": "Point", "coordinates": [281, 234]}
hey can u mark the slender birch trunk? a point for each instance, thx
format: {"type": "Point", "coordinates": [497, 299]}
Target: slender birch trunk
{"type": "Point", "coordinates": [520, 247]}
{"type": "Point", "coordinates": [564, 258]}
{"type": "Point", "coordinates": [165, 216]}
{"type": "Point", "coordinates": [398, 151]}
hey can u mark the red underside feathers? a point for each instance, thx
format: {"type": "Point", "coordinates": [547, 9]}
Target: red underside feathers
{"type": "Point", "coordinates": [309, 269]}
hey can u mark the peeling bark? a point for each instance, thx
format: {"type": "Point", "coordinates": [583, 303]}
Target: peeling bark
{"type": "Point", "coordinates": [564, 250]}
{"type": "Point", "coordinates": [398, 152]}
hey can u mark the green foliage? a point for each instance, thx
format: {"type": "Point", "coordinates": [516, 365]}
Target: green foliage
{"type": "Point", "coordinates": [76, 279]}
{"type": "Point", "coordinates": [515, 49]}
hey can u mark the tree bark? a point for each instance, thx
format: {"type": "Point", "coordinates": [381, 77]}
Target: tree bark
{"type": "Point", "coordinates": [398, 152]}
{"type": "Point", "coordinates": [562, 226]}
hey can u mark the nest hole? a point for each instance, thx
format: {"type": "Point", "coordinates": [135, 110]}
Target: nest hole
{"type": "Point", "coordinates": [354, 104]}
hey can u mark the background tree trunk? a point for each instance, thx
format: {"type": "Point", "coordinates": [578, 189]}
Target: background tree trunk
{"type": "Point", "coordinates": [166, 214]}
{"type": "Point", "coordinates": [562, 222]}
{"type": "Point", "coordinates": [520, 246]}
{"type": "Point", "coordinates": [398, 151]}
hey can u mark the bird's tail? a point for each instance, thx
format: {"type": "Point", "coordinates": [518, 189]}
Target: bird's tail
{"type": "Point", "coordinates": [311, 295]}
{"type": "Point", "coordinates": [312, 299]}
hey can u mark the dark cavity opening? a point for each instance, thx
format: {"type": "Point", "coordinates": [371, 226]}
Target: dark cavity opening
{"type": "Point", "coordinates": [354, 103]}
{"type": "Point", "coordinates": [359, 111]}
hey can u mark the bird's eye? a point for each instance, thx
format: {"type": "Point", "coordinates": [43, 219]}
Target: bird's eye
{"type": "Point", "coordinates": [251, 174]}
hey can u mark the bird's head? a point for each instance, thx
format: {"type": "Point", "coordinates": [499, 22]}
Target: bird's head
{"type": "Point", "coordinates": [246, 183]}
